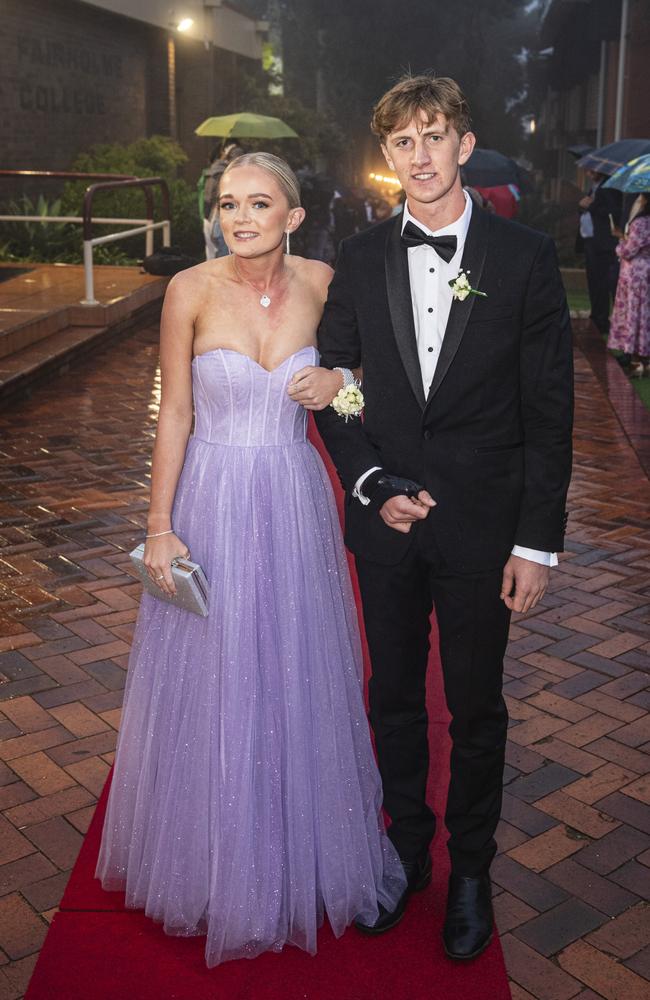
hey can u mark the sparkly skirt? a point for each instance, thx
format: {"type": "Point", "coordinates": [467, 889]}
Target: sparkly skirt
{"type": "Point", "coordinates": [246, 802]}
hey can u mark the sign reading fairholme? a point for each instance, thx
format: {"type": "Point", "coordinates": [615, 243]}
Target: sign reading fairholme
{"type": "Point", "coordinates": [58, 96]}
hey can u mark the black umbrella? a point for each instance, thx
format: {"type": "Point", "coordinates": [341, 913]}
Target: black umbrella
{"type": "Point", "coordinates": [608, 159]}
{"type": "Point", "coordinates": [581, 149]}
{"type": "Point", "coordinates": [488, 168]}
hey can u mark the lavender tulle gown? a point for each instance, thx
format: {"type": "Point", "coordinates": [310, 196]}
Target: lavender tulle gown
{"type": "Point", "coordinates": [245, 802]}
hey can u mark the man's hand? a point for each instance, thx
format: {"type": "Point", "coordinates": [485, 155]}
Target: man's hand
{"type": "Point", "coordinates": [586, 202]}
{"type": "Point", "coordinates": [400, 512]}
{"type": "Point", "coordinates": [524, 583]}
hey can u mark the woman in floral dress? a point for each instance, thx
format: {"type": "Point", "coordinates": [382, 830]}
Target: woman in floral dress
{"type": "Point", "coordinates": [630, 321]}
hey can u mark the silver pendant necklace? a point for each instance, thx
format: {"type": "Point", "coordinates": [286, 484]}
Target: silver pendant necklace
{"type": "Point", "coordinates": [265, 300]}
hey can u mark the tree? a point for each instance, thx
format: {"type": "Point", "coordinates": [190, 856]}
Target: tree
{"type": "Point", "coordinates": [319, 136]}
{"type": "Point", "coordinates": [343, 54]}
{"type": "Point", "coordinates": [157, 156]}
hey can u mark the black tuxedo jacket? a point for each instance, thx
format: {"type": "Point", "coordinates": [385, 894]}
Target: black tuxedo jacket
{"type": "Point", "coordinates": [492, 442]}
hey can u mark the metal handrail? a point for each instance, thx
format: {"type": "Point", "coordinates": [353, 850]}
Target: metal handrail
{"type": "Point", "coordinates": [105, 220]}
{"type": "Point", "coordinates": [71, 175]}
{"type": "Point", "coordinates": [104, 182]}
{"type": "Point", "coordinates": [67, 175]}
{"type": "Point", "coordinates": [145, 183]}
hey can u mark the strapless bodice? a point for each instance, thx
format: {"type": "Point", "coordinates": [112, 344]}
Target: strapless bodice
{"type": "Point", "coordinates": [238, 402]}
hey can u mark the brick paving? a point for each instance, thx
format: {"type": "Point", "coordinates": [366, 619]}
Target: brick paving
{"type": "Point", "coordinates": [572, 877]}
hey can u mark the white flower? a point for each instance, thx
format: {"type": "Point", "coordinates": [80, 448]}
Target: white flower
{"type": "Point", "coordinates": [461, 287]}
{"type": "Point", "coordinates": [348, 402]}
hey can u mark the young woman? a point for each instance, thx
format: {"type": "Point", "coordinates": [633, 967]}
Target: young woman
{"type": "Point", "coordinates": [245, 802]}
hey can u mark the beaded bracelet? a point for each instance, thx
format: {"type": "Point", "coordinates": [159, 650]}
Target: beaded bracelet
{"type": "Point", "coordinates": [348, 377]}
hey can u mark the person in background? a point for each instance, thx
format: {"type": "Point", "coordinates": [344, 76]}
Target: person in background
{"type": "Point", "coordinates": [349, 214]}
{"type": "Point", "coordinates": [398, 207]}
{"type": "Point", "coordinates": [478, 198]}
{"type": "Point", "coordinates": [629, 329]}
{"type": "Point", "coordinates": [204, 210]}
{"type": "Point", "coordinates": [504, 198]}
{"type": "Point", "coordinates": [601, 261]}
{"type": "Point", "coordinates": [208, 195]}
{"type": "Point", "coordinates": [382, 210]}
{"type": "Point", "coordinates": [367, 202]}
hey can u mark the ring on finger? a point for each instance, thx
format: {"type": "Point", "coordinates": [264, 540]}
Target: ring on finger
{"type": "Point", "coordinates": [161, 577]}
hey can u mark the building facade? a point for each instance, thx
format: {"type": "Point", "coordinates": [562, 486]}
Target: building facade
{"type": "Point", "coordinates": [75, 73]}
{"type": "Point", "coordinates": [589, 95]}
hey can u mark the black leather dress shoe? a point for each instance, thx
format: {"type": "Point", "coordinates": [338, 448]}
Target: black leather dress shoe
{"type": "Point", "coordinates": [418, 877]}
{"type": "Point", "coordinates": [469, 922]}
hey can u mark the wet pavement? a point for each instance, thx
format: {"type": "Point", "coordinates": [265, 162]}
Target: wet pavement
{"type": "Point", "coordinates": [572, 878]}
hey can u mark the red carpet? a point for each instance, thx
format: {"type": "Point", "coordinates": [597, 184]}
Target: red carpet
{"type": "Point", "coordinates": [97, 949]}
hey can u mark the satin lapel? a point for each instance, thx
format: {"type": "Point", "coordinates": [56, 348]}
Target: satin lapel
{"type": "Point", "coordinates": [473, 261]}
{"type": "Point", "coordinates": [401, 308]}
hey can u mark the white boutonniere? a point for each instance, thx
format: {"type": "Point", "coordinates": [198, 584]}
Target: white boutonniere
{"type": "Point", "coordinates": [348, 402]}
{"type": "Point", "coordinates": [461, 287]}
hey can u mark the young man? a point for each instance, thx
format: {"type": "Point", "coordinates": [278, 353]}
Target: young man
{"type": "Point", "coordinates": [456, 479]}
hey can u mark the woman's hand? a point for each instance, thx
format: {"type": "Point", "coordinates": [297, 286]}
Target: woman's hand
{"type": "Point", "coordinates": [158, 555]}
{"type": "Point", "coordinates": [315, 388]}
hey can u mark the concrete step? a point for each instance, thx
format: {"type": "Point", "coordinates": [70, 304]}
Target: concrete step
{"type": "Point", "coordinates": [21, 327]}
{"type": "Point", "coordinates": [117, 299]}
{"type": "Point", "coordinates": [53, 354]}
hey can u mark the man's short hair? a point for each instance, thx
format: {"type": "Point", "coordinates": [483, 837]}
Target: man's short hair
{"type": "Point", "coordinates": [433, 95]}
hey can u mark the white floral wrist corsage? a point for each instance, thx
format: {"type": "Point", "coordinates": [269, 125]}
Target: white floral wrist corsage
{"type": "Point", "coordinates": [348, 402]}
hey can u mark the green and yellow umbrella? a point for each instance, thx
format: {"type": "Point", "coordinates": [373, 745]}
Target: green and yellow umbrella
{"type": "Point", "coordinates": [633, 177]}
{"type": "Point", "coordinates": [246, 125]}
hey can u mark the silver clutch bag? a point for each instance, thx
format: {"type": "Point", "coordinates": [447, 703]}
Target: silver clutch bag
{"type": "Point", "coordinates": [192, 589]}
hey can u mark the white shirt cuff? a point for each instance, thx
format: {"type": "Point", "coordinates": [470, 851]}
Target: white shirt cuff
{"type": "Point", "coordinates": [356, 492]}
{"type": "Point", "coordinates": [535, 555]}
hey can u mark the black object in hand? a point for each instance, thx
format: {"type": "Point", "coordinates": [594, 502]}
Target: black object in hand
{"type": "Point", "coordinates": [384, 486]}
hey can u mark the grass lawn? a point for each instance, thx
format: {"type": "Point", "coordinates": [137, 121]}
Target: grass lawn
{"type": "Point", "coordinates": [578, 301]}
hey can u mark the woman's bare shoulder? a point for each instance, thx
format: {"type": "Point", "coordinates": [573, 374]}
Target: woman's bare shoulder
{"type": "Point", "coordinates": [316, 272]}
{"type": "Point", "coordinates": [194, 282]}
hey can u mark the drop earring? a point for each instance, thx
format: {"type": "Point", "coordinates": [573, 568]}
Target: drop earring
{"type": "Point", "coordinates": [288, 250]}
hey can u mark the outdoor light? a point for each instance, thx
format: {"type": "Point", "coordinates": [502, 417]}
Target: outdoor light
{"type": "Point", "coordinates": [385, 180]}
{"type": "Point", "coordinates": [183, 25]}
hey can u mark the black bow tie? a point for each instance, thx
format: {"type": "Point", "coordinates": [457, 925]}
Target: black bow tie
{"type": "Point", "coordinates": [445, 246]}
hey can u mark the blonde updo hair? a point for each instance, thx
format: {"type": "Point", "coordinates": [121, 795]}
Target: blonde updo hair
{"type": "Point", "coordinates": [273, 165]}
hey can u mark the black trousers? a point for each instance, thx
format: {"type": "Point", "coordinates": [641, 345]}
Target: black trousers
{"type": "Point", "coordinates": [602, 277]}
{"type": "Point", "coordinates": [473, 625]}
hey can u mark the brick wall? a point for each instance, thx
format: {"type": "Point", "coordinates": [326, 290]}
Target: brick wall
{"type": "Point", "coordinates": [636, 109]}
{"type": "Point", "coordinates": [207, 84]}
{"type": "Point", "coordinates": [72, 75]}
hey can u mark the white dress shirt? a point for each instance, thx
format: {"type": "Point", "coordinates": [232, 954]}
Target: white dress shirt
{"type": "Point", "coordinates": [429, 276]}
{"type": "Point", "coordinates": [432, 297]}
